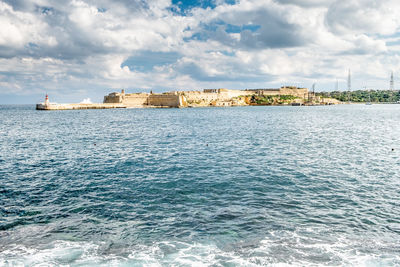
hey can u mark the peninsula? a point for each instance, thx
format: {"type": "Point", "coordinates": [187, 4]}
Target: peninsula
{"type": "Point", "coordinates": [286, 95]}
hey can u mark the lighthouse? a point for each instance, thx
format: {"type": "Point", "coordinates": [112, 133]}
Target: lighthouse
{"type": "Point", "coordinates": [46, 101]}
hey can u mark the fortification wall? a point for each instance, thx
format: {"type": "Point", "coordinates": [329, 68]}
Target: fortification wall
{"type": "Point", "coordinates": [113, 98]}
{"type": "Point", "coordinates": [268, 92]}
{"type": "Point", "coordinates": [228, 94]}
{"type": "Point", "coordinates": [146, 99]}
{"type": "Point", "coordinates": [130, 100]}
{"type": "Point", "coordinates": [210, 95]}
{"type": "Point", "coordinates": [134, 100]}
{"type": "Point", "coordinates": [197, 96]}
{"type": "Point", "coordinates": [299, 92]}
{"type": "Point", "coordinates": [167, 100]}
{"type": "Point", "coordinates": [294, 91]}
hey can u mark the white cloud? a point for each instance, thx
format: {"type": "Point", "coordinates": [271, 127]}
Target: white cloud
{"type": "Point", "coordinates": [18, 29]}
{"type": "Point", "coordinates": [66, 45]}
{"type": "Point", "coordinates": [364, 16]}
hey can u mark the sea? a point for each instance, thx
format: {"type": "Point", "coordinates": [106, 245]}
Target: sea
{"type": "Point", "coordinates": [237, 186]}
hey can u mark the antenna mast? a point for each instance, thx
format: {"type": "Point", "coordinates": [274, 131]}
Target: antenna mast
{"type": "Point", "coordinates": [349, 85]}
{"type": "Point", "coordinates": [391, 82]}
{"type": "Point", "coordinates": [391, 87]}
{"type": "Point", "coordinates": [313, 92]}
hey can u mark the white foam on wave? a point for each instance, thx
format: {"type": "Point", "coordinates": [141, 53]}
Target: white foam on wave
{"type": "Point", "coordinates": [279, 248]}
{"type": "Point", "coordinates": [67, 253]}
{"type": "Point", "coordinates": [86, 101]}
{"type": "Point", "coordinates": [58, 253]}
{"type": "Point", "coordinates": [186, 254]}
{"type": "Point", "coordinates": [283, 248]}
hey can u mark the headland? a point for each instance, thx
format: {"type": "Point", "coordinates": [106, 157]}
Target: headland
{"type": "Point", "coordinates": [286, 95]}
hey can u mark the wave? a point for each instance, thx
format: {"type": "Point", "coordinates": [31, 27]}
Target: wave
{"type": "Point", "coordinates": [86, 101]}
{"type": "Point", "coordinates": [279, 249]}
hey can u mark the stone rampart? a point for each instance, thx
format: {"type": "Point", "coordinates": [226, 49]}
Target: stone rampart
{"type": "Point", "coordinates": [299, 92]}
{"type": "Point", "coordinates": [197, 96]}
{"type": "Point", "coordinates": [113, 98]}
{"type": "Point", "coordinates": [284, 90]}
{"type": "Point", "coordinates": [166, 100]}
{"type": "Point", "coordinates": [135, 100]}
{"type": "Point", "coordinates": [207, 97]}
{"type": "Point", "coordinates": [146, 100]}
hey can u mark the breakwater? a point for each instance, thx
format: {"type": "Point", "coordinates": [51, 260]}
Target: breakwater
{"type": "Point", "coordinates": [52, 106]}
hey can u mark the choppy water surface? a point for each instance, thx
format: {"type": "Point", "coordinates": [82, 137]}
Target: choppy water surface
{"type": "Point", "coordinates": [247, 186]}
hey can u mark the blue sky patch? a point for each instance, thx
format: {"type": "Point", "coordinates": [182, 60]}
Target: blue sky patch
{"type": "Point", "coordinates": [46, 10]}
{"type": "Point", "coordinates": [32, 45]}
{"type": "Point", "coordinates": [227, 53]}
{"type": "Point", "coordinates": [184, 6]}
{"type": "Point", "coordinates": [199, 36]}
{"type": "Point", "coordinates": [393, 43]}
{"type": "Point", "coordinates": [203, 35]}
{"type": "Point", "coordinates": [147, 60]}
{"type": "Point", "coordinates": [238, 29]}
{"type": "Point", "coordinates": [229, 28]}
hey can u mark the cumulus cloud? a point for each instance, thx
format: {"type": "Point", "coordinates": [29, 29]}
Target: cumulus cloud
{"type": "Point", "coordinates": [93, 46]}
{"type": "Point", "coordinates": [364, 16]}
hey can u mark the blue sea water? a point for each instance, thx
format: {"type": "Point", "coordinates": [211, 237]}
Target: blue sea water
{"type": "Point", "coordinates": [244, 186]}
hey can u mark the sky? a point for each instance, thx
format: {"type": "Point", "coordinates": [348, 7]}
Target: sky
{"type": "Point", "coordinates": [79, 49]}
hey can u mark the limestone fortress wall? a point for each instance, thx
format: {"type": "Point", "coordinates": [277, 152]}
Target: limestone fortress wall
{"type": "Point", "coordinates": [207, 97]}
{"type": "Point", "coordinates": [147, 99]}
